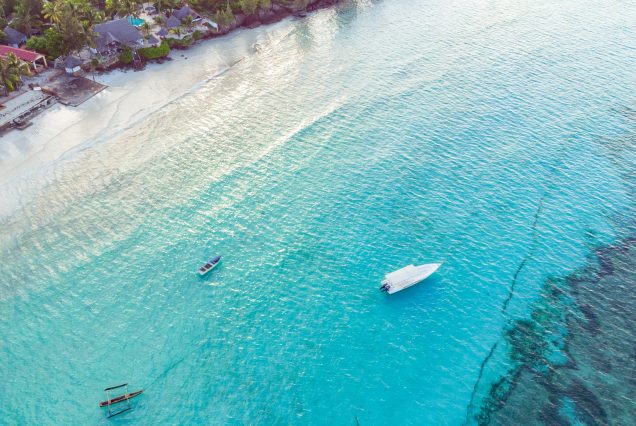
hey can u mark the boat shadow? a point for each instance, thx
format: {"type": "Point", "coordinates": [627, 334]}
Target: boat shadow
{"type": "Point", "coordinates": [212, 278]}
{"type": "Point", "coordinates": [427, 289]}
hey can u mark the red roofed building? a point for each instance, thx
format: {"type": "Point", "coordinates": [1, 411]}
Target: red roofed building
{"type": "Point", "coordinates": [27, 56]}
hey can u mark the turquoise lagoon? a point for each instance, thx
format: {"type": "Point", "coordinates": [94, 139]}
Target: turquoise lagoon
{"type": "Point", "coordinates": [495, 137]}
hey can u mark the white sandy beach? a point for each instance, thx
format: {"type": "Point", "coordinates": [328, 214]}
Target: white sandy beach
{"type": "Point", "coordinates": [61, 131]}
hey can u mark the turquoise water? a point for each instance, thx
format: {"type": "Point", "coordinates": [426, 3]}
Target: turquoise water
{"type": "Point", "coordinates": [137, 22]}
{"type": "Point", "coordinates": [363, 139]}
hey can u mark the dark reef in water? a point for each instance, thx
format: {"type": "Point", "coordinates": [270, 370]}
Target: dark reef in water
{"type": "Point", "coordinates": [504, 308]}
{"type": "Point", "coordinates": [574, 360]}
{"type": "Point", "coordinates": [528, 256]}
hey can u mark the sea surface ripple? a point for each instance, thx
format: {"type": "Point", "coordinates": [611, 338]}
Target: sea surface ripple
{"type": "Point", "coordinates": [495, 137]}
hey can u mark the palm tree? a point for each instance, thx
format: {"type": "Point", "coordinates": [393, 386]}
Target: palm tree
{"type": "Point", "coordinates": [176, 31]}
{"type": "Point", "coordinates": [52, 10]}
{"type": "Point", "coordinates": [11, 71]}
{"type": "Point", "coordinates": [145, 29]}
{"type": "Point", "coordinates": [110, 7]}
{"type": "Point", "coordinates": [188, 23]}
{"type": "Point", "coordinates": [72, 31]}
{"type": "Point", "coordinates": [22, 17]}
{"type": "Point", "coordinates": [122, 7]}
{"type": "Point", "coordinates": [169, 6]}
{"type": "Point", "coordinates": [128, 7]}
{"type": "Point", "coordinates": [91, 16]}
{"type": "Point", "coordinates": [159, 20]}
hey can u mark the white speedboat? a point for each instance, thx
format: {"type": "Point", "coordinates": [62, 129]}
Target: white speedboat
{"type": "Point", "coordinates": [407, 276]}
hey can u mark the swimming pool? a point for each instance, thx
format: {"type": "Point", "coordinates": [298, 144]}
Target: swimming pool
{"type": "Point", "coordinates": [137, 22]}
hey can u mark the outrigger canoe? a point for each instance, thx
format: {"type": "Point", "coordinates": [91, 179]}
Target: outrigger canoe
{"type": "Point", "coordinates": [120, 398]}
{"type": "Point", "coordinates": [125, 397]}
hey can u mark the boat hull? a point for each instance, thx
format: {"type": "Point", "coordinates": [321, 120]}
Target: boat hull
{"type": "Point", "coordinates": [202, 273]}
{"type": "Point", "coordinates": [213, 262]}
{"type": "Point", "coordinates": [421, 273]}
{"type": "Point", "coordinates": [121, 398]}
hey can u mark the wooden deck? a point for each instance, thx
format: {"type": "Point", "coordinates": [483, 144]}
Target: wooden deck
{"type": "Point", "coordinates": [73, 91]}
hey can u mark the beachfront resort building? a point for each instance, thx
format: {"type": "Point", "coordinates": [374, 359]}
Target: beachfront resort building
{"type": "Point", "coordinates": [28, 56]}
{"type": "Point", "coordinates": [72, 64]}
{"type": "Point", "coordinates": [13, 38]}
{"type": "Point", "coordinates": [172, 22]}
{"type": "Point", "coordinates": [112, 36]}
{"type": "Point", "coordinates": [178, 16]}
{"type": "Point", "coordinates": [184, 12]}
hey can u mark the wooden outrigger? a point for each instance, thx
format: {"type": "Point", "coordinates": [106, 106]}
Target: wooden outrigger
{"type": "Point", "coordinates": [126, 396]}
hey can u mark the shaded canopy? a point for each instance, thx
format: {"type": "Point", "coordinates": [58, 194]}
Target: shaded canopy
{"type": "Point", "coordinates": [184, 12]}
{"type": "Point", "coordinates": [173, 22]}
{"type": "Point", "coordinates": [72, 61]}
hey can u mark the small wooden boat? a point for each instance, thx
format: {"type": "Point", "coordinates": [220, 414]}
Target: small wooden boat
{"type": "Point", "coordinates": [209, 265]}
{"type": "Point", "coordinates": [125, 397]}
{"type": "Point", "coordinates": [120, 398]}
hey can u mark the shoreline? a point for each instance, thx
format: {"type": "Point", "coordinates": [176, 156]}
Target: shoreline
{"type": "Point", "coordinates": [11, 137]}
{"type": "Point", "coordinates": [12, 140]}
{"type": "Point", "coordinates": [274, 15]}
{"type": "Point", "coordinates": [60, 131]}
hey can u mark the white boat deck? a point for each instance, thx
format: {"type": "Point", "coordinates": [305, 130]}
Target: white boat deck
{"type": "Point", "coordinates": [406, 277]}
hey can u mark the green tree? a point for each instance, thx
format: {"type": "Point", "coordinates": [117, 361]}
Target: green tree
{"type": "Point", "coordinates": [123, 7]}
{"type": "Point", "coordinates": [160, 51]}
{"type": "Point", "coordinates": [187, 23]}
{"type": "Point", "coordinates": [167, 6]}
{"type": "Point", "coordinates": [146, 28]}
{"type": "Point", "coordinates": [207, 5]}
{"type": "Point", "coordinates": [266, 4]}
{"type": "Point", "coordinates": [38, 44]}
{"type": "Point", "coordinates": [74, 35]}
{"type": "Point", "coordinates": [92, 16]}
{"type": "Point", "coordinates": [6, 7]}
{"type": "Point", "coordinates": [52, 10]}
{"type": "Point", "coordinates": [301, 4]}
{"type": "Point", "coordinates": [110, 7]}
{"type": "Point", "coordinates": [126, 56]}
{"type": "Point", "coordinates": [176, 31]}
{"type": "Point", "coordinates": [23, 19]}
{"type": "Point", "coordinates": [2, 36]}
{"type": "Point", "coordinates": [159, 20]}
{"type": "Point", "coordinates": [248, 6]}
{"type": "Point", "coordinates": [84, 11]}
{"type": "Point", "coordinates": [224, 17]}
{"type": "Point", "coordinates": [50, 43]}
{"type": "Point", "coordinates": [11, 71]}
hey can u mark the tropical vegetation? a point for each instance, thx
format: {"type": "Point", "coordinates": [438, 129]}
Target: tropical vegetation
{"type": "Point", "coordinates": [160, 51]}
{"type": "Point", "coordinates": [11, 71]}
{"type": "Point", "coordinates": [71, 21]}
{"type": "Point", "coordinates": [126, 56]}
{"type": "Point", "coordinates": [57, 28]}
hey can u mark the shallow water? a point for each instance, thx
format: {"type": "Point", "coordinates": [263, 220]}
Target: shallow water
{"type": "Point", "coordinates": [362, 139]}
